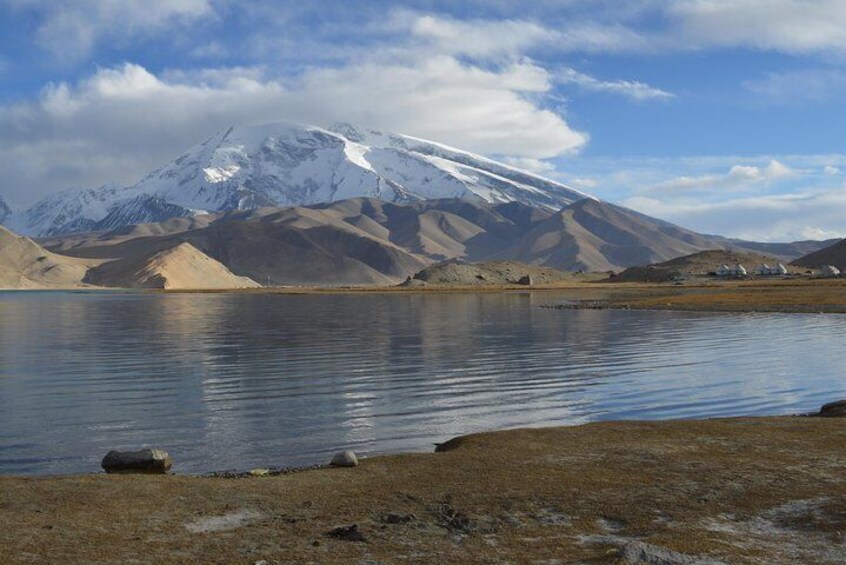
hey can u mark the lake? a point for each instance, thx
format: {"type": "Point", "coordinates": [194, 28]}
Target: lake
{"type": "Point", "coordinates": [236, 381]}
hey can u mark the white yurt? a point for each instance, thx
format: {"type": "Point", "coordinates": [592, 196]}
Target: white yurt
{"type": "Point", "coordinates": [765, 270]}
{"type": "Point", "coordinates": [829, 271]}
{"type": "Point", "coordinates": [723, 271]}
{"type": "Point", "coordinates": [779, 269]}
{"type": "Point", "coordinates": [739, 270]}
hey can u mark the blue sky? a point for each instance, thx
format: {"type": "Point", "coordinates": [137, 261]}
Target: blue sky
{"type": "Point", "coordinates": [725, 116]}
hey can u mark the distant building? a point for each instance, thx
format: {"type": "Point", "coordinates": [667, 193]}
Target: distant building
{"type": "Point", "coordinates": [736, 271]}
{"type": "Point", "coordinates": [766, 270]}
{"type": "Point", "coordinates": [829, 271]}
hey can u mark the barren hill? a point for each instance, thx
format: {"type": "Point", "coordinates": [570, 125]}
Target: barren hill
{"type": "Point", "coordinates": [182, 266]}
{"type": "Point", "coordinates": [25, 264]}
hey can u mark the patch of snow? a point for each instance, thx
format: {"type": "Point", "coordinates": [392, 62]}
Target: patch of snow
{"type": "Point", "coordinates": [215, 175]}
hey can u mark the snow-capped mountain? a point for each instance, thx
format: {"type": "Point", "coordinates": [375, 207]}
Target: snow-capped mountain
{"type": "Point", "coordinates": [5, 210]}
{"type": "Point", "coordinates": [286, 164]}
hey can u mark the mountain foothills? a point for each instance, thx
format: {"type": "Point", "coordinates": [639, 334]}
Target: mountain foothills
{"type": "Point", "coordinates": [284, 204]}
{"type": "Point", "coordinates": [286, 164]}
{"type": "Point", "coordinates": [366, 241]}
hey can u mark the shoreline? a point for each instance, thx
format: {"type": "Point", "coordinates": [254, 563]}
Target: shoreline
{"type": "Point", "coordinates": [760, 490]}
{"type": "Point", "coordinates": [804, 296]}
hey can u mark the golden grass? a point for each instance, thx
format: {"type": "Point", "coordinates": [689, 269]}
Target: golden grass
{"type": "Point", "coordinates": [768, 490]}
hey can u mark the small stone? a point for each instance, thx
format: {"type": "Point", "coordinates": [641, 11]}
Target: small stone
{"type": "Point", "coordinates": [344, 459]}
{"type": "Point", "coordinates": [347, 533]}
{"type": "Point", "coordinates": [154, 461]}
{"type": "Point", "coordinates": [835, 409]}
{"type": "Point", "coordinates": [259, 472]}
{"type": "Point", "coordinates": [397, 518]}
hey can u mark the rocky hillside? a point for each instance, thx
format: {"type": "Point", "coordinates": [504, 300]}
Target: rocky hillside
{"type": "Point", "coordinates": [488, 273]}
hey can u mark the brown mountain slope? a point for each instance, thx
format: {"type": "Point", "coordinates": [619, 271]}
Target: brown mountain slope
{"type": "Point", "coordinates": [596, 236]}
{"type": "Point", "coordinates": [831, 255]}
{"type": "Point", "coordinates": [181, 266]}
{"type": "Point", "coordinates": [25, 264]}
{"type": "Point", "coordinates": [368, 241]}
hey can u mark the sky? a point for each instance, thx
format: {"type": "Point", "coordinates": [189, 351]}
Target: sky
{"type": "Point", "coordinates": [724, 116]}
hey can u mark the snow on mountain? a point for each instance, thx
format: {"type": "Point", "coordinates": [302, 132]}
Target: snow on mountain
{"type": "Point", "coordinates": [285, 164]}
{"type": "Point", "coordinates": [5, 210]}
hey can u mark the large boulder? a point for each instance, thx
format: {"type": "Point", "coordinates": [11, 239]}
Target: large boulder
{"type": "Point", "coordinates": [835, 409]}
{"type": "Point", "coordinates": [154, 461]}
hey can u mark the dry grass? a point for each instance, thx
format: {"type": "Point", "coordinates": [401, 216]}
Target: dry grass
{"type": "Point", "coordinates": [769, 490]}
{"type": "Point", "coordinates": [800, 295]}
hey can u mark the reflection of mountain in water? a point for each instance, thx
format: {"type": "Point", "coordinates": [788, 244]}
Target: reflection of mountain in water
{"type": "Point", "coordinates": [224, 381]}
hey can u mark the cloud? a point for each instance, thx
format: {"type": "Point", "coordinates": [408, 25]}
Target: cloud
{"type": "Point", "coordinates": [738, 177]}
{"type": "Point", "coordinates": [479, 38]}
{"type": "Point", "coordinates": [831, 170]}
{"type": "Point", "coordinates": [791, 26]}
{"type": "Point", "coordinates": [69, 29]}
{"type": "Point", "coordinates": [583, 183]}
{"type": "Point", "coordinates": [120, 123]}
{"type": "Point", "coordinates": [799, 87]}
{"type": "Point", "coordinates": [789, 217]}
{"type": "Point", "coordinates": [630, 89]}
{"type": "Point", "coordinates": [534, 165]}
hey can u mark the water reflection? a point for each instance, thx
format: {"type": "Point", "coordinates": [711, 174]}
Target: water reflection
{"type": "Point", "coordinates": [226, 380]}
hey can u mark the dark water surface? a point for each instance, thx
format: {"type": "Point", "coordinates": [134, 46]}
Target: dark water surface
{"type": "Point", "coordinates": [226, 381]}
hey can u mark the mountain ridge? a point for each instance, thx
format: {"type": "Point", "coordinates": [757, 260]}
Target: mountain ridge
{"type": "Point", "coordinates": [366, 241]}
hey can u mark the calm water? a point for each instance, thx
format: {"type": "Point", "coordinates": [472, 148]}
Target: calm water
{"type": "Point", "coordinates": [238, 381]}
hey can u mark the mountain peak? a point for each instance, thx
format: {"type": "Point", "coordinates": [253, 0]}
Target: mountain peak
{"type": "Point", "coordinates": [289, 164]}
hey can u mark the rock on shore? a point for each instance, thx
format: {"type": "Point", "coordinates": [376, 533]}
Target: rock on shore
{"type": "Point", "coordinates": [153, 461]}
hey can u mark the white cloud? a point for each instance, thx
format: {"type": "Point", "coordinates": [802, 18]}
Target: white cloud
{"type": "Point", "coordinates": [71, 28]}
{"type": "Point", "coordinates": [120, 123]}
{"type": "Point", "coordinates": [792, 26]}
{"type": "Point", "coordinates": [831, 170]}
{"type": "Point", "coordinates": [583, 183]}
{"type": "Point", "coordinates": [790, 217]}
{"type": "Point", "coordinates": [808, 85]}
{"type": "Point", "coordinates": [631, 89]}
{"type": "Point", "coordinates": [738, 177]}
{"type": "Point", "coordinates": [479, 38]}
{"type": "Point", "coordinates": [538, 166]}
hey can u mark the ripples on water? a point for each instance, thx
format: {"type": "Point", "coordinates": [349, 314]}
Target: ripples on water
{"type": "Point", "coordinates": [236, 381]}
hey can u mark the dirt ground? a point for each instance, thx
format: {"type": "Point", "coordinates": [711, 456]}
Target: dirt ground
{"type": "Point", "coordinates": [754, 490]}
